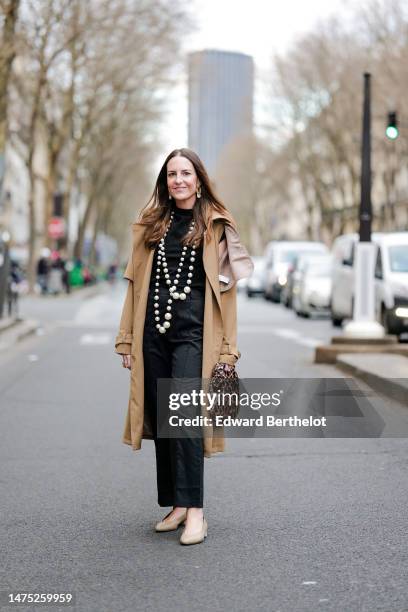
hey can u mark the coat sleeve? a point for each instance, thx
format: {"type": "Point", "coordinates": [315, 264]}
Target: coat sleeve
{"type": "Point", "coordinates": [234, 264]}
{"type": "Point", "coordinates": [229, 350]}
{"type": "Point", "coordinates": [123, 342]}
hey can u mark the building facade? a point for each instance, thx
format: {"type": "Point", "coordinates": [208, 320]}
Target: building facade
{"type": "Point", "coordinates": [220, 95]}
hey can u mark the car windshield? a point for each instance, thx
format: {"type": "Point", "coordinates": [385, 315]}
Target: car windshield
{"type": "Point", "coordinates": [288, 256]}
{"type": "Point", "coordinates": [291, 256]}
{"type": "Point", "coordinates": [259, 268]}
{"type": "Point", "coordinates": [398, 258]}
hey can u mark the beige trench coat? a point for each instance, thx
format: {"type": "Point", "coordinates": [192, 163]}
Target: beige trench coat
{"type": "Point", "coordinates": [224, 264]}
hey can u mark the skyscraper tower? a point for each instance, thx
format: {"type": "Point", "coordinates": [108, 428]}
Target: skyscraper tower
{"type": "Point", "coordinates": [220, 94]}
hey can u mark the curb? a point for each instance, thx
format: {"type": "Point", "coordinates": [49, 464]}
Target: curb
{"type": "Point", "coordinates": [371, 373]}
{"type": "Point", "coordinates": [84, 292]}
{"type": "Point", "coordinates": [17, 332]}
{"type": "Point", "coordinates": [87, 292]}
{"type": "Point", "coordinates": [329, 353]}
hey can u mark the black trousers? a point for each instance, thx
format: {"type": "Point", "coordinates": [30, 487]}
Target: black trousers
{"type": "Point", "coordinates": [177, 354]}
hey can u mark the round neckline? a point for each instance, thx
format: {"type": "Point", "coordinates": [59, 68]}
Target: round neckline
{"type": "Point", "coordinates": [183, 212]}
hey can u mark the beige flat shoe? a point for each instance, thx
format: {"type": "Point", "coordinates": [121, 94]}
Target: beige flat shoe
{"type": "Point", "coordinates": [195, 538]}
{"type": "Point", "coordinates": [172, 524]}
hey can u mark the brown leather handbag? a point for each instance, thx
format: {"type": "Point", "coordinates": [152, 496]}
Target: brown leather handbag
{"type": "Point", "coordinates": [224, 381]}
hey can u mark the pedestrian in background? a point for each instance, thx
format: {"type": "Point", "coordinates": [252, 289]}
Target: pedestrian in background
{"type": "Point", "coordinates": [65, 270]}
{"type": "Point", "coordinates": [112, 273]}
{"type": "Point", "coordinates": [76, 278]}
{"type": "Point", "coordinates": [55, 285]}
{"type": "Point", "coordinates": [14, 287]}
{"type": "Point", "coordinates": [43, 269]}
{"type": "Point", "coordinates": [178, 321]}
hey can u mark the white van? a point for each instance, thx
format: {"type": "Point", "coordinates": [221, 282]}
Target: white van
{"type": "Point", "coordinates": [279, 256]}
{"type": "Point", "coordinates": [391, 280]}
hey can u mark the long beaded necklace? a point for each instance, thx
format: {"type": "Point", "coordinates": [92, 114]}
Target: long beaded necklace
{"type": "Point", "coordinates": [174, 294]}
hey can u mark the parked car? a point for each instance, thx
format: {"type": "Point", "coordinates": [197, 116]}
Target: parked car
{"type": "Point", "coordinates": [286, 295]}
{"type": "Point", "coordinates": [279, 256]}
{"type": "Point", "coordinates": [293, 278]}
{"type": "Point", "coordinates": [312, 291]}
{"type": "Point", "coordinates": [256, 282]}
{"type": "Point", "coordinates": [391, 280]}
{"type": "Point", "coordinates": [242, 285]}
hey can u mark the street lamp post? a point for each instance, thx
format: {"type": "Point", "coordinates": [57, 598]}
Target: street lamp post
{"type": "Point", "coordinates": [364, 324]}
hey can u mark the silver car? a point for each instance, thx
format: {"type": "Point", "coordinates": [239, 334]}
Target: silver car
{"type": "Point", "coordinates": [279, 256]}
{"type": "Point", "coordinates": [256, 282]}
{"type": "Point", "coordinates": [312, 292]}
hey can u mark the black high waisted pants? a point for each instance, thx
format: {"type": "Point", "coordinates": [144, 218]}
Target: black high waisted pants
{"type": "Point", "coordinates": [175, 354]}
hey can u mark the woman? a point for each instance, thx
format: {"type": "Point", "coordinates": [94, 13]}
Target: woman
{"type": "Point", "coordinates": [178, 321]}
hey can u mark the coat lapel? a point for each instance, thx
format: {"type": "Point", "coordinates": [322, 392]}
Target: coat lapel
{"type": "Point", "coordinates": [210, 263]}
{"type": "Point", "coordinates": [145, 257]}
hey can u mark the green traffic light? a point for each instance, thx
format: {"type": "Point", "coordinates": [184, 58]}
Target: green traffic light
{"type": "Point", "coordinates": [391, 132]}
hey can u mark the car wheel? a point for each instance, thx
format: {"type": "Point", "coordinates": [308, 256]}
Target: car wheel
{"type": "Point", "coordinates": [335, 319]}
{"type": "Point", "coordinates": [386, 320]}
{"type": "Point", "coordinates": [275, 297]}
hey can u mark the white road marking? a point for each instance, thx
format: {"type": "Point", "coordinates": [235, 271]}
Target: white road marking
{"type": "Point", "coordinates": [287, 333]}
{"type": "Point", "coordinates": [102, 310]}
{"type": "Point", "coordinates": [92, 339]}
{"type": "Point", "coordinates": [291, 334]}
{"type": "Point", "coordinates": [311, 342]}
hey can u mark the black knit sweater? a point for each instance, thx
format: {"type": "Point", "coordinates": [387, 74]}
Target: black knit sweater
{"type": "Point", "coordinates": [173, 247]}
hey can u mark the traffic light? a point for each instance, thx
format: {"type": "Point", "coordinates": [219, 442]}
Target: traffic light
{"type": "Point", "coordinates": [391, 130]}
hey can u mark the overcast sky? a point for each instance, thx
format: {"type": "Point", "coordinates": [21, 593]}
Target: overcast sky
{"type": "Point", "coordinates": [256, 27]}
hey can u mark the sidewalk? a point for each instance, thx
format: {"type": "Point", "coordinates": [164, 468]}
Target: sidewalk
{"type": "Point", "coordinates": [82, 291]}
{"type": "Point", "coordinates": [14, 330]}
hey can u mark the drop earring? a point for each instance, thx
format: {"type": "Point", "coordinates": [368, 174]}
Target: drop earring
{"type": "Point", "coordinates": [169, 196]}
{"type": "Point", "coordinates": [199, 192]}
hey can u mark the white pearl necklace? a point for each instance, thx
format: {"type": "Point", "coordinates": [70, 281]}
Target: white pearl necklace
{"type": "Point", "coordinates": [174, 294]}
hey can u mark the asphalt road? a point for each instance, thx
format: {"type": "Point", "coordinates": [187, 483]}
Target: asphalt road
{"type": "Point", "coordinates": [295, 524]}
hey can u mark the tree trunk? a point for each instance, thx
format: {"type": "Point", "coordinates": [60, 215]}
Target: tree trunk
{"type": "Point", "coordinates": [79, 245]}
{"type": "Point", "coordinates": [7, 54]}
{"type": "Point", "coordinates": [92, 252]}
{"type": "Point", "coordinates": [31, 268]}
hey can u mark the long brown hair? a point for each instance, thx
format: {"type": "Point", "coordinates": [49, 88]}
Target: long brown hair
{"type": "Point", "coordinates": [156, 213]}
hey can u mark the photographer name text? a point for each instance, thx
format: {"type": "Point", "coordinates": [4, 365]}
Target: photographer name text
{"type": "Point", "coordinates": [259, 421]}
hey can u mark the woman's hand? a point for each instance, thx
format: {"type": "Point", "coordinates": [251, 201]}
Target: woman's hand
{"type": "Point", "coordinates": [126, 361]}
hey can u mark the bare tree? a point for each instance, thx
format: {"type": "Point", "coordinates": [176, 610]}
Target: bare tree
{"type": "Point", "coordinates": [317, 87]}
{"type": "Point", "coordinates": [41, 45]}
{"type": "Point", "coordinates": [86, 70]}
